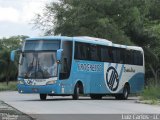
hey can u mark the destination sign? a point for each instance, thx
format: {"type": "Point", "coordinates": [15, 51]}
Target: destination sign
{"type": "Point", "coordinates": [88, 67]}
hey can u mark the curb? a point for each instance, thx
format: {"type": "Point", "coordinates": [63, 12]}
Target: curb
{"type": "Point", "coordinates": [149, 102]}
{"type": "Point", "coordinates": [8, 112]}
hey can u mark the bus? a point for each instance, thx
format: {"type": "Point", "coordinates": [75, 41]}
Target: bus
{"type": "Point", "coordinates": [82, 65]}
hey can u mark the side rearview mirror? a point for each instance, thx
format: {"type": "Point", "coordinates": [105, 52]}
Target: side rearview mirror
{"type": "Point", "coordinates": [59, 55]}
{"type": "Point", "coordinates": [12, 54]}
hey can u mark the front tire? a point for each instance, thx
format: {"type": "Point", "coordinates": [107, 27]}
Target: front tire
{"type": "Point", "coordinates": [75, 96]}
{"type": "Point", "coordinates": [43, 96]}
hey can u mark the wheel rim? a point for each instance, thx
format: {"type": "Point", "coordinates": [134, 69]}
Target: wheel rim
{"type": "Point", "coordinates": [125, 92]}
{"type": "Point", "coordinates": [77, 92]}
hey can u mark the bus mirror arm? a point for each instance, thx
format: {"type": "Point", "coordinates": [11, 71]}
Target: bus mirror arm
{"type": "Point", "coordinates": [59, 55]}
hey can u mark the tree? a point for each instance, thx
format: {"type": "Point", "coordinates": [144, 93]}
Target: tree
{"type": "Point", "coordinates": [131, 22]}
{"type": "Point", "coordinates": [80, 18]}
{"type": "Point", "coordinates": [8, 68]}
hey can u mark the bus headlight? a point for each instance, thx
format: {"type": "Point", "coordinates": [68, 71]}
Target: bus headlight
{"type": "Point", "coordinates": [51, 82]}
{"type": "Point", "coordinates": [20, 82]}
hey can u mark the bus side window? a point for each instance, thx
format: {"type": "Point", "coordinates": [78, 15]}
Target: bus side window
{"type": "Point", "coordinates": [114, 55]}
{"type": "Point", "coordinates": [118, 56]}
{"type": "Point", "coordinates": [110, 55]}
{"type": "Point", "coordinates": [128, 57]}
{"type": "Point", "coordinates": [122, 52]}
{"type": "Point", "coordinates": [140, 58]}
{"type": "Point", "coordinates": [84, 48]}
{"type": "Point", "coordinates": [106, 54]}
{"type": "Point", "coordinates": [65, 65]}
{"type": "Point", "coordinates": [77, 51]}
{"type": "Point", "coordinates": [82, 51]}
{"type": "Point", "coordinates": [132, 57]}
{"type": "Point", "coordinates": [135, 58]}
{"type": "Point", "coordinates": [94, 53]}
{"type": "Point", "coordinates": [99, 53]}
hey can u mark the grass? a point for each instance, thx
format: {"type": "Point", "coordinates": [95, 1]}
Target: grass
{"type": "Point", "coordinates": [151, 95]}
{"type": "Point", "coordinates": [11, 86]}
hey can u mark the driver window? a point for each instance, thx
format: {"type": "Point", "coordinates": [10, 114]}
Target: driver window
{"type": "Point", "coordinates": [66, 60]}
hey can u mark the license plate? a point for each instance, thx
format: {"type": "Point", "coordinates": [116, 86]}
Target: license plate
{"type": "Point", "coordinates": [35, 89]}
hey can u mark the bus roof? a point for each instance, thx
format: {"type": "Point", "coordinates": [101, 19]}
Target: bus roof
{"type": "Point", "coordinates": [86, 39]}
{"type": "Point", "coordinates": [50, 38]}
{"type": "Point", "coordinates": [92, 40]}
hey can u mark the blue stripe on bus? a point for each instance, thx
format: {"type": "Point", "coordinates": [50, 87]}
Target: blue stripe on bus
{"type": "Point", "coordinates": [116, 66]}
{"type": "Point", "coordinates": [109, 65]}
{"type": "Point", "coordinates": [120, 75]}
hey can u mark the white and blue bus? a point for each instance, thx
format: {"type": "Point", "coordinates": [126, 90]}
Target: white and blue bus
{"type": "Point", "coordinates": [62, 66]}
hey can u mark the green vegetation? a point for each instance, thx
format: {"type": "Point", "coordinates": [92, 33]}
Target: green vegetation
{"type": "Point", "coordinates": [10, 86]}
{"type": "Point", "coordinates": [130, 22]}
{"type": "Point", "coordinates": [151, 94]}
{"type": "Point", "coordinates": [8, 69]}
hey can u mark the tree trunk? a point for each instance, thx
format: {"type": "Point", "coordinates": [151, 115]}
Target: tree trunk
{"type": "Point", "coordinates": [8, 73]}
{"type": "Point", "coordinates": [157, 73]}
{"type": "Point", "coordinates": [154, 73]}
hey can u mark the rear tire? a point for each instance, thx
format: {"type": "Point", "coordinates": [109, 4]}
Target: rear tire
{"type": "Point", "coordinates": [75, 96]}
{"type": "Point", "coordinates": [125, 92]}
{"type": "Point", "coordinates": [43, 96]}
{"type": "Point", "coordinates": [124, 95]}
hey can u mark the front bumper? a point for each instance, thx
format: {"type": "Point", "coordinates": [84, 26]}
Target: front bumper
{"type": "Point", "coordinates": [41, 89]}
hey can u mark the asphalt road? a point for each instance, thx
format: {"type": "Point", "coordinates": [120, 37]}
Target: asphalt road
{"type": "Point", "coordinates": [31, 104]}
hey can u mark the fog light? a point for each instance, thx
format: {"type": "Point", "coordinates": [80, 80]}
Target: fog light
{"type": "Point", "coordinates": [21, 91]}
{"type": "Point", "coordinates": [52, 92]}
{"type": "Point", "coordinates": [20, 82]}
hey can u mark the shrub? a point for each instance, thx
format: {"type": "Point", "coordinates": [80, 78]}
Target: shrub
{"type": "Point", "coordinates": [11, 86]}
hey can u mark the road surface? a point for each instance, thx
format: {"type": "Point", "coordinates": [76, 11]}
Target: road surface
{"type": "Point", "coordinates": [31, 104]}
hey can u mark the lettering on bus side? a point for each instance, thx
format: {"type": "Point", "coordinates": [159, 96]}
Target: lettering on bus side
{"type": "Point", "coordinates": [129, 70]}
{"type": "Point", "coordinates": [112, 78]}
{"type": "Point", "coordinates": [88, 67]}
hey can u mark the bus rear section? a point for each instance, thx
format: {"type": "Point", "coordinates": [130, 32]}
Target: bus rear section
{"type": "Point", "coordinates": [108, 69]}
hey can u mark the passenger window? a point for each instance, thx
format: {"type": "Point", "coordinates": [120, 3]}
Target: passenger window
{"type": "Point", "coordinates": [94, 53]}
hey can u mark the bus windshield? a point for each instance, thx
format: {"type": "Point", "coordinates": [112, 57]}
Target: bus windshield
{"type": "Point", "coordinates": [38, 65]}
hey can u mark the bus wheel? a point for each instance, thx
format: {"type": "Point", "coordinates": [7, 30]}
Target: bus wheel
{"type": "Point", "coordinates": [75, 96]}
{"type": "Point", "coordinates": [43, 96]}
{"type": "Point", "coordinates": [96, 97]}
{"type": "Point", "coordinates": [125, 92]}
{"type": "Point", "coordinates": [124, 95]}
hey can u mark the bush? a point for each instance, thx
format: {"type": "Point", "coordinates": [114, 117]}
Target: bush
{"type": "Point", "coordinates": [11, 86]}
{"type": "Point", "coordinates": [151, 92]}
